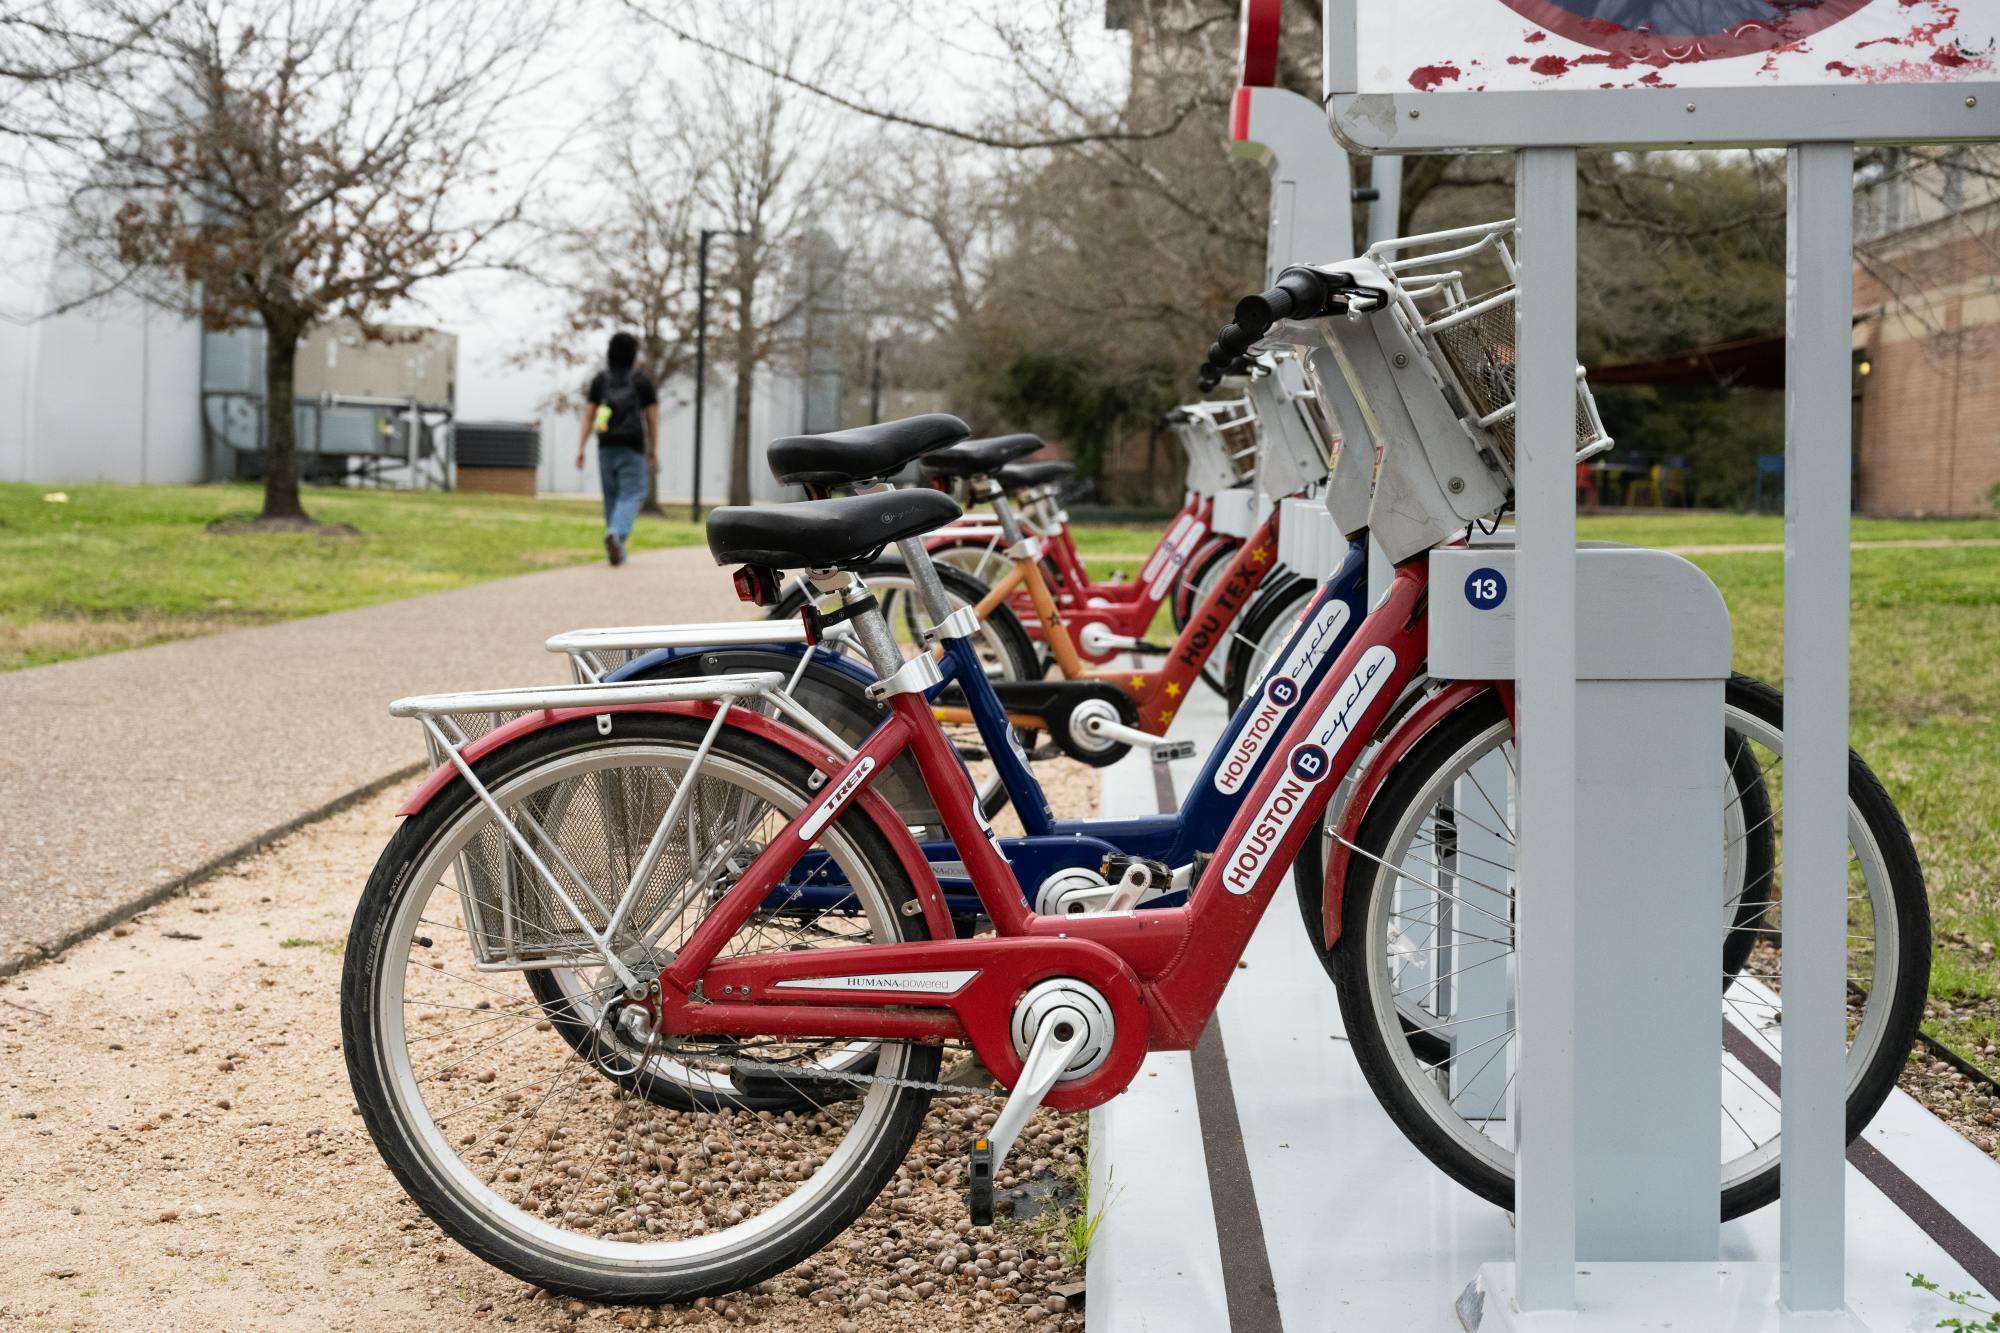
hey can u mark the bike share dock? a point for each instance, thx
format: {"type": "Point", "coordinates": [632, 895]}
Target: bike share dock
{"type": "Point", "coordinates": [1256, 1183]}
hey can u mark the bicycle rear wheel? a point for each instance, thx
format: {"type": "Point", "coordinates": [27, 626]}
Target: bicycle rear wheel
{"type": "Point", "coordinates": [526, 1144]}
{"type": "Point", "coordinates": [1409, 893]}
{"type": "Point", "coordinates": [1199, 576]}
{"type": "Point", "coordinates": [1261, 635]}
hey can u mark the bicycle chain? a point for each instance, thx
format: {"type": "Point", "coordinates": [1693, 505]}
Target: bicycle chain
{"type": "Point", "coordinates": [820, 1076]}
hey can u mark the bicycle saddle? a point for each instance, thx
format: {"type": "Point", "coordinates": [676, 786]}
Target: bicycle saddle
{"type": "Point", "coordinates": [822, 534]}
{"type": "Point", "coordinates": [859, 453]}
{"type": "Point", "coordinates": [1026, 476]}
{"type": "Point", "coordinates": [981, 458]}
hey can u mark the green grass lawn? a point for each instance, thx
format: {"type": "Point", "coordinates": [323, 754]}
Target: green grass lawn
{"type": "Point", "coordinates": [1925, 708]}
{"type": "Point", "coordinates": [120, 566]}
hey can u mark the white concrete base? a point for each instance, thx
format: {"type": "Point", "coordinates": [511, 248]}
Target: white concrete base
{"type": "Point", "coordinates": [1617, 1297]}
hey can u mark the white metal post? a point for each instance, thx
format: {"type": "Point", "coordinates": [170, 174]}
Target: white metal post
{"type": "Point", "coordinates": [1385, 214]}
{"type": "Point", "coordinates": [1545, 657]}
{"type": "Point", "coordinates": [1819, 267]}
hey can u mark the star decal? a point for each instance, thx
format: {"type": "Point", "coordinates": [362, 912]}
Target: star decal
{"type": "Point", "coordinates": [1138, 682]}
{"type": "Point", "coordinates": [1166, 716]}
{"type": "Point", "coordinates": [1173, 690]}
{"type": "Point", "coordinates": [1259, 554]}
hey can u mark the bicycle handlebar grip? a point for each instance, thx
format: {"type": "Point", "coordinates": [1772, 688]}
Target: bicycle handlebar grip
{"type": "Point", "coordinates": [1300, 292]}
{"type": "Point", "coordinates": [1231, 343]}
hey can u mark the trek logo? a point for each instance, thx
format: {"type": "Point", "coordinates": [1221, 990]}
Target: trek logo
{"type": "Point", "coordinates": [1305, 769]}
{"type": "Point", "coordinates": [1176, 556]}
{"type": "Point", "coordinates": [836, 798]}
{"type": "Point", "coordinates": [1283, 688]}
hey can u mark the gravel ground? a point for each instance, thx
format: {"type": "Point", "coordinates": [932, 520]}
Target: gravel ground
{"type": "Point", "coordinates": [183, 1148]}
{"type": "Point", "coordinates": [1969, 1106]}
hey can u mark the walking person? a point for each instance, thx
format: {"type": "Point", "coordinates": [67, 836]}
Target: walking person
{"type": "Point", "coordinates": [624, 415]}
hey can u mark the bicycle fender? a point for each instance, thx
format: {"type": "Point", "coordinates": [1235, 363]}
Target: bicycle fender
{"type": "Point", "coordinates": [1413, 728]}
{"type": "Point", "coordinates": [911, 857]}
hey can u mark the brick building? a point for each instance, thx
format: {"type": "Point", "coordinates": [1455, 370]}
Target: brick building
{"type": "Point", "coordinates": [1927, 334]}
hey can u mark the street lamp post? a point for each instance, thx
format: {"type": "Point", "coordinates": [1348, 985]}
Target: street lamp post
{"type": "Point", "coordinates": [701, 356]}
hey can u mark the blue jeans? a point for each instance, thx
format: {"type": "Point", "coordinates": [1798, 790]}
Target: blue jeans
{"type": "Point", "coordinates": [624, 474]}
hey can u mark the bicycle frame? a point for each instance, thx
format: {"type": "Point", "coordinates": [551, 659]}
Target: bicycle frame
{"type": "Point", "coordinates": [1162, 970]}
{"type": "Point", "coordinates": [1049, 844]}
{"type": "Point", "coordinates": [1125, 607]}
{"type": "Point", "coordinates": [1157, 692]}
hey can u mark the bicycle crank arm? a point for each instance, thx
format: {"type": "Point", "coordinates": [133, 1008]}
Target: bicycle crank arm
{"type": "Point", "coordinates": [1097, 641]}
{"type": "Point", "coordinates": [1101, 728]}
{"type": "Point", "coordinates": [1058, 1039]}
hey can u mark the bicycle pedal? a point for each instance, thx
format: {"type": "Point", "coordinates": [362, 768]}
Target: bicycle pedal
{"type": "Point", "coordinates": [1166, 750]}
{"type": "Point", "coordinates": [979, 1194]}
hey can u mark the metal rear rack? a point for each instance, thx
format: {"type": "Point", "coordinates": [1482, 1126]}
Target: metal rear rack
{"type": "Point", "coordinates": [526, 904]}
{"type": "Point", "coordinates": [595, 653]}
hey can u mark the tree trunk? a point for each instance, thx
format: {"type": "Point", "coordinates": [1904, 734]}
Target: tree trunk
{"type": "Point", "coordinates": [746, 379]}
{"type": "Point", "coordinates": [281, 438]}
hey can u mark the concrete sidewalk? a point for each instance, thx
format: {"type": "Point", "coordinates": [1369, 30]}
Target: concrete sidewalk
{"type": "Point", "coordinates": [125, 776]}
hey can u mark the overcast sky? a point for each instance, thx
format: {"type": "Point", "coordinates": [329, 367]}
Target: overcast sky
{"type": "Point", "coordinates": [497, 317]}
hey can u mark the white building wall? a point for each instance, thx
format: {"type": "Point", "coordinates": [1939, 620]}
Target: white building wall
{"type": "Point", "coordinates": [110, 392]}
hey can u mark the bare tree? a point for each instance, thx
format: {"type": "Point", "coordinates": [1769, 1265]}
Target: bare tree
{"type": "Point", "coordinates": [43, 42]}
{"type": "Point", "coordinates": [775, 163]}
{"type": "Point", "coordinates": [279, 163]}
{"type": "Point", "coordinates": [630, 264]}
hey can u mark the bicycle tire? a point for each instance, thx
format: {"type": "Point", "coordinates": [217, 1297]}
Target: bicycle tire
{"type": "Point", "coordinates": [1353, 970]}
{"type": "Point", "coordinates": [488, 1231]}
{"type": "Point", "coordinates": [1272, 612]}
{"type": "Point", "coordinates": [1198, 573]}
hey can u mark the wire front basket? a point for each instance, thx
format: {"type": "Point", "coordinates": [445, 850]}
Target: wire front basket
{"type": "Point", "coordinates": [1471, 338]}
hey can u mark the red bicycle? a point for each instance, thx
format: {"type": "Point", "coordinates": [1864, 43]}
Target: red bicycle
{"type": "Point", "coordinates": [704, 1080]}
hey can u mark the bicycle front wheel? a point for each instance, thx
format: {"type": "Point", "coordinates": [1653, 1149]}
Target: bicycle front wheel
{"type": "Point", "coordinates": [1435, 1046]}
{"type": "Point", "coordinates": [517, 1128]}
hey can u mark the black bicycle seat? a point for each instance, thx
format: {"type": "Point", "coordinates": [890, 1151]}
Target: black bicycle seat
{"type": "Point", "coordinates": [981, 458]}
{"type": "Point", "coordinates": [822, 534]}
{"type": "Point", "coordinates": [861, 453]}
{"type": "Point", "coordinates": [1027, 476]}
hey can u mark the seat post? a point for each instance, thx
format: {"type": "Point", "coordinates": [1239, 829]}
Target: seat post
{"type": "Point", "coordinates": [1003, 511]}
{"type": "Point", "coordinates": [870, 630]}
{"type": "Point", "coordinates": [923, 570]}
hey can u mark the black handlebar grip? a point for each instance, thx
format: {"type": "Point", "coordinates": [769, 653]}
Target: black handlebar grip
{"type": "Point", "coordinates": [1231, 343]}
{"type": "Point", "coordinates": [1300, 292]}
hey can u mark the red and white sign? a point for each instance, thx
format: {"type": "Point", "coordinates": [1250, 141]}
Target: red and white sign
{"type": "Point", "coordinates": [1529, 45]}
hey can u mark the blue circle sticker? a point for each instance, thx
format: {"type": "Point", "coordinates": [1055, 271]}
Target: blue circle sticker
{"type": "Point", "coordinates": [1309, 762]}
{"type": "Point", "coordinates": [1282, 691]}
{"type": "Point", "coordinates": [1485, 588]}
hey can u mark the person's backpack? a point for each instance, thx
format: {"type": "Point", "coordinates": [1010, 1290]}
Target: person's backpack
{"type": "Point", "coordinates": [625, 424]}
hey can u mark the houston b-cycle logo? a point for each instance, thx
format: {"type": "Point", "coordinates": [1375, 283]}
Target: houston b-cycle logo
{"type": "Point", "coordinates": [1306, 767]}
{"type": "Point", "coordinates": [1179, 545]}
{"type": "Point", "coordinates": [1283, 687]}
{"type": "Point", "coordinates": [1675, 31]}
